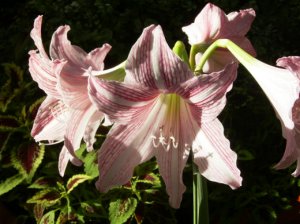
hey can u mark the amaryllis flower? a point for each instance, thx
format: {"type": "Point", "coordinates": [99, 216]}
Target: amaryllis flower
{"type": "Point", "coordinates": [67, 114]}
{"type": "Point", "coordinates": [292, 132]}
{"type": "Point", "coordinates": [282, 87]}
{"type": "Point", "coordinates": [162, 110]}
{"type": "Point", "coordinates": [212, 24]}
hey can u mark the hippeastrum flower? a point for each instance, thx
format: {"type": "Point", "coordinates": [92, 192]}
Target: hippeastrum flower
{"type": "Point", "coordinates": [292, 151]}
{"type": "Point", "coordinates": [282, 87]}
{"type": "Point", "coordinates": [67, 114]}
{"type": "Point", "coordinates": [163, 110]}
{"type": "Point", "coordinates": [212, 24]}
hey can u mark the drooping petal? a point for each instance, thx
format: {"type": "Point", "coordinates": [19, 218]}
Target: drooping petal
{"type": "Point", "coordinates": [292, 63]}
{"type": "Point", "coordinates": [63, 160]}
{"type": "Point", "coordinates": [91, 129]}
{"type": "Point", "coordinates": [50, 121]}
{"type": "Point", "coordinates": [281, 87]}
{"type": "Point", "coordinates": [206, 26]}
{"type": "Point", "coordinates": [151, 63]}
{"type": "Point", "coordinates": [292, 150]}
{"type": "Point", "coordinates": [121, 102]}
{"type": "Point", "coordinates": [212, 153]}
{"type": "Point", "coordinates": [76, 127]}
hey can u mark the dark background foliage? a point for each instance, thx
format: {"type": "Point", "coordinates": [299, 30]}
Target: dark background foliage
{"type": "Point", "coordinates": [267, 195]}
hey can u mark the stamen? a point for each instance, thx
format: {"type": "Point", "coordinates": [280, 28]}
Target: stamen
{"type": "Point", "coordinates": [162, 141]}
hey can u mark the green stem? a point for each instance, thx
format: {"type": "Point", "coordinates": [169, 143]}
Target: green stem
{"type": "Point", "coordinates": [197, 48]}
{"type": "Point", "coordinates": [116, 73]}
{"type": "Point", "coordinates": [200, 198]}
{"type": "Point", "coordinates": [242, 56]}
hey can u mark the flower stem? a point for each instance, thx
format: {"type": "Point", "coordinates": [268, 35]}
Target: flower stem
{"type": "Point", "coordinates": [242, 56]}
{"type": "Point", "coordinates": [197, 48]}
{"type": "Point", "coordinates": [200, 198]}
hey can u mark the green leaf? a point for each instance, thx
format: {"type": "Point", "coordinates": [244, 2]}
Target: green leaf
{"type": "Point", "coordinates": [48, 218]}
{"type": "Point", "coordinates": [11, 183]}
{"type": "Point", "coordinates": [38, 211]}
{"type": "Point", "coordinates": [27, 159]}
{"type": "Point", "coordinates": [43, 182]}
{"type": "Point", "coordinates": [75, 180]}
{"type": "Point", "coordinates": [12, 86]}
{"type": "Point", "coordinates": [121, 210]}
{"type": "Point", "coordinates": [8, 123]}
{"type": "Point", "coordinates": [150, 178]}
{"type": "Point", "coordinates": [245, 155]}
{"type": "Point", "coordinates": [46, 197]}
{"type": "Point", "coordinates": [90, 164]}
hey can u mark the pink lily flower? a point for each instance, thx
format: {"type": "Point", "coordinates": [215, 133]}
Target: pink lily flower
{"type": "Point", "coordinates": [212, 24]}
{"type": "Point", "coordinates": [67, 114]}
{"type": "Point", "coordinates": [162, 110]}
{"type": "Point", "coordinates": [282, 87]}
{"type": "Point", "coordinates": [292, 132]}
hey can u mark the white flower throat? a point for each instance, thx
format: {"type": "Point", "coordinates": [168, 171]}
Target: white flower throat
{"type": "Point", "coordinates": [168, 134]}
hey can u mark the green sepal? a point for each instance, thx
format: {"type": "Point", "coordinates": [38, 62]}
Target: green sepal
{"type": "Point", "coordinates": [10, 183]}
{"type": "Point", "coordinates": [180, 50]}
{"type": "Point", "coordinates": [121, 210]}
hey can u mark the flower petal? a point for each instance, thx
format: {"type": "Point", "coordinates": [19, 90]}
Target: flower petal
{"type": "Point", "coordinates": [96, 57]}
{"type": "Point", "coordinates": [281, 87]}
{"type": "Point", "coordinates": [64, 158]}
{"type": "Point", "coordinates": [292, 150]}
{"type": "Point", "coordinates": [212, 153]}
{"type": "Point", "coordinates": [91, 129]}
{"type": "Point", "coordinates": [206, 26]}
{"type": "Point", "coordinates": [41, 70]}
{"type": "Point", "coordinates": [206, 94]}
{"type": "Point", "coordinates": [36, 35]}
{"type": "Point", "coordinates": [238, 24]}
{"type": "Point", "coordinates": [152, 63]}
{"type": "Point", "coordinates": [76, 127]}
{"type": "Point", "coordinates": [121, 102]}
{"type": "Point", "coordinates": [72, 88]}
{"type": "Point", "coordinates": [61, 48]}
{"type": "Point", "coordinates": [49, 123]}
{"type": "Point", "coordinates": [125, 147]}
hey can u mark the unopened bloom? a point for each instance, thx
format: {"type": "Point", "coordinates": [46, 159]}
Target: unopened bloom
{"type": "Point", "coordinates": [212, 24]}
{"type": "Point", "coordinates": [67, 113]}
{"type": "Point", "coordinates": [163, 110]}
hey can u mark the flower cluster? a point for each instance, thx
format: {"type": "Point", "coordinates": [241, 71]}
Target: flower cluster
{"type": "Point", "coordinates": [159, 102]}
